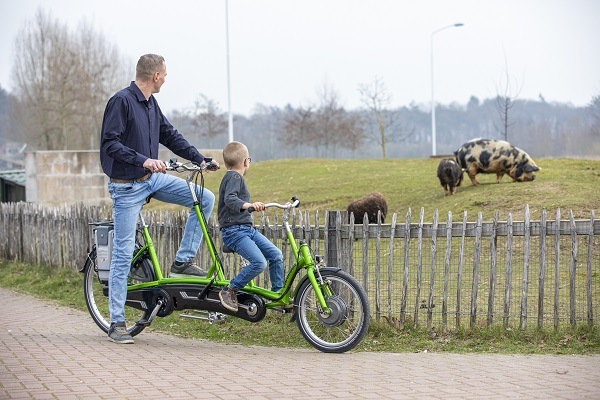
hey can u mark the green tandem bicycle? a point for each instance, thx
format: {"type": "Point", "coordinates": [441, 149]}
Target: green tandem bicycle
{"type": "Point", "coordinates": [330, 307]}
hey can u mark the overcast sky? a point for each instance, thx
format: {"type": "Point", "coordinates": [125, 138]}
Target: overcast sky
{"type": "Point", "coordinates": [284, 51]}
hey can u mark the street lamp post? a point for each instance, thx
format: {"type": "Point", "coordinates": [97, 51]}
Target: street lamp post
{"type": "Point", "coordinates": [433, 135]}
{"type": "Point", "coordinates": [228, 79]}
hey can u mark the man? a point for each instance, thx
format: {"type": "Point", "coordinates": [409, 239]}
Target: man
{"type": "Point", "coordinates": [132, 128]}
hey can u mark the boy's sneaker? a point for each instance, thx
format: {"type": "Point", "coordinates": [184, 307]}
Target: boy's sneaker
{"type": "Point", "coordinates": [185, 269]}
{"type": "Point", "coordinates": [228, 296]}
{"type": "Point", "coordinates": [118, 333]}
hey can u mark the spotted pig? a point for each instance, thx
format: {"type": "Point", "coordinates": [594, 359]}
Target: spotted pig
{"type": "Point", "coordinates": [495, 156]}
{"type": "Point", "coordinates": [450, 175]}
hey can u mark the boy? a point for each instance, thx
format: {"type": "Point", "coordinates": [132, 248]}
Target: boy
{"type": "Point", "coordinates": [237, 228]}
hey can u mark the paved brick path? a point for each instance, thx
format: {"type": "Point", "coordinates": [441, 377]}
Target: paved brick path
{"type": "Point", "coordinates": [52, 352]}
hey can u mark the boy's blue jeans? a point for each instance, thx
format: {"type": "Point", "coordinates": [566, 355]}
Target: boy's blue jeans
{"type": "Point", "coordinates": [128, 199]}
{"type": "Point", "coordinates": [258, 250]}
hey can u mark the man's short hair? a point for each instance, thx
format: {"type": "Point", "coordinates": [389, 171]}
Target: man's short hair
{"type": "Point", "coordinates": [147, 65]}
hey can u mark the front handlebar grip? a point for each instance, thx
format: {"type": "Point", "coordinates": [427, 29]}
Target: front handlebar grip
{"type": "Point", "coordinates": [294, 199]}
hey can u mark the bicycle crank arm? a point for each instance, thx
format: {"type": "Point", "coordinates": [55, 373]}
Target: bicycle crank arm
{"type": "Point", "coordinates": [147, 322]}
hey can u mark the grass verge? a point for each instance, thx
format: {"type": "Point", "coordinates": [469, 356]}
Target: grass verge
{"type": "Point", "coordinates": [64, 287]}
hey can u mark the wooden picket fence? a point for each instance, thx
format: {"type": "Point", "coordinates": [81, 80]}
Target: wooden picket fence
{"type": "Point", "coordinates": [440, 274]}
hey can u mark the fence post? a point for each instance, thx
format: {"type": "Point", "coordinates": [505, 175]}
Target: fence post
{"type": "Point", "coordinates": [509, 242]}
{"type": "Point", "coordinates": [378, 267]}
{"type": "Point", "coordinates": [542, 272]}
{"type": "Point", "coordinates": [391, 265]}
{"type": "Point", "coordinates": [556, 267]}
{"type": "Point", "coordinates": [430, 304]}
{"type": "Point", "coordinates": [419, 266]}
{"type": "Point", "coordinates": [406, 261]}
{"type": "Point", "coordinates": [333, 236]}
{"type": "Point", "coordinates": [460, 269]}
{"type": "Point", "coordinates": [572, 269]}
{"type": "Point", "coordinates": [590, 313]}
{"type": "Point", "coordinates": [523, 322]}
{"type": "Point", "coordinates": [447, 271]}
{"type": "Point", "coordinates": [493, 237]}
{"type": "Point", "coordinates": [351, 245]}
{"type": "Point", "coordinates": [338, 248]}
{"type": "Point", "coordinates": [476, 268]}
{"type": "Point", "coordinates": [365, 249]}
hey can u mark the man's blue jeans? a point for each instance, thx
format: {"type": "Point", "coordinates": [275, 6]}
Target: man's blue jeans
{"type": "Point", "coordinates": [128, 199]}
{"type": "Point", "coordinates": [258, 250]}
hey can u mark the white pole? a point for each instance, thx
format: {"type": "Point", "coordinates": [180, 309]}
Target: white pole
{"type": "Point", "coordinates": [433, 132]}
{"type": "Point", "coordinates": [228, 79]}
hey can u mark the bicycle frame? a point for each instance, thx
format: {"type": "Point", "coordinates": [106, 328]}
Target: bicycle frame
{"type": "Point", "coordinates": [215, 275]}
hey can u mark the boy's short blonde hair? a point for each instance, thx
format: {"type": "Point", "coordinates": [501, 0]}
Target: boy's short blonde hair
{"type": "Point", "coordinates": [234, 154]}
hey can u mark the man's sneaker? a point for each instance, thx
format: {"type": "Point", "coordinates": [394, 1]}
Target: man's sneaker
{"type": "Point", "coordinates": [185, 269]}
{"type": "Point", "coordinates": [228, 296]}
{"type": "Point", "coordinates": [118, 333]}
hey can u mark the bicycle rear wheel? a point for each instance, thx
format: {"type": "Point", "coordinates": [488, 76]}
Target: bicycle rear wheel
{"type": "Point", "coordinates": [346, 325]}
{"type": "Point", "coordinates": [96, 299]}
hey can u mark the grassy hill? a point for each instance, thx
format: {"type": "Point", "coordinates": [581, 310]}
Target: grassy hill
{"type": "Point", "coordinates": [327, 184]}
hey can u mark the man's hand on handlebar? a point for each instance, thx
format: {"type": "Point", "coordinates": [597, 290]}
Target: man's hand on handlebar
{"type": "Point", "coordinates": [153, 165]}
{"type": "Point", "coordinates": [209, 164]}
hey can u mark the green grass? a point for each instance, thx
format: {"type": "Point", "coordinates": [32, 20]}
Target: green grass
{"type": "Point", "coordinates": [322, 184]}
{"type": "Point", "coordinates": [64, 287]}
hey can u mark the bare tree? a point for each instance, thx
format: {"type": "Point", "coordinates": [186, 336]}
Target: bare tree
{"type": "Point", "coordinates": [334, 126]}
{"type": "Point", "coordinates": [595, 110]}
{"type": "Point", "coordinates": [376, 98]}
{"type": "Point", "coordinates": [299, 128]}
{"type": "Point", "coordinates": [102, 71]}
{"type": "Point", "coordinates": [326, 127]}
{"type": "Point", "coordinates": [507, 93]}
{"type": "Point", "coordinates": [62, 82]}
{"type": "Point", "coordinates": [208, 119]}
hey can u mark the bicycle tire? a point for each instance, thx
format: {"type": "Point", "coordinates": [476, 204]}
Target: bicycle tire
{"type": "Point", "coordinates": [349, 320]}
{"type": "Point", "coordinates": [97, 302]}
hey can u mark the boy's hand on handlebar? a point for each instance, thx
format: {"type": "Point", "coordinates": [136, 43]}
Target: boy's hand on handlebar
{"type": "Point", "coordinates": [153, 165]}
{"type": "Point", "coordinates": [256, 206]}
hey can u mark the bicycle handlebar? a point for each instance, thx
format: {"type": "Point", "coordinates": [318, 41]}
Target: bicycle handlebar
{"type": "Point", "coordinates": [174, 165]}
{"type": "Point", "coordinates": [295, 203]}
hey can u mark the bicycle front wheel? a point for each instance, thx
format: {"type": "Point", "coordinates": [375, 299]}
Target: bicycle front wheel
{"type": "Point", "coordinates": [96, 299]}
{"type": "Point", "coordinates": [347, 323]}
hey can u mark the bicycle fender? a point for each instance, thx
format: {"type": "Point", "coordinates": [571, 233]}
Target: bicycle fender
{"type": "Point", "coordinates": [90, 256]}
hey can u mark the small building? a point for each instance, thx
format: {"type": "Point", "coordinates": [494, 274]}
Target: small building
{"type": "Point", "coordinates": [12, 186]}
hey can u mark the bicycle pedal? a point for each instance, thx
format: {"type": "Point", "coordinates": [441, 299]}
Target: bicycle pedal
{"type": "Point", "coordinates": [143, 322]}
{"type": "Point", "coordinates": [211, 316]}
